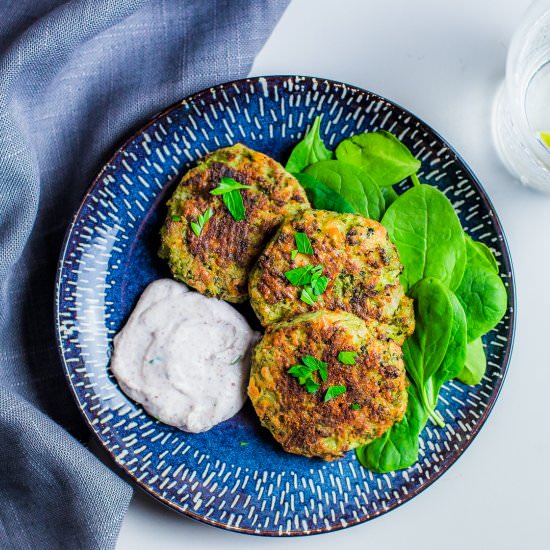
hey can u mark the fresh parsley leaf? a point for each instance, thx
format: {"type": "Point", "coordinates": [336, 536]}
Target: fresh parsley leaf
{"type": "Point", "coordinates": [316, 364]}
{"type": "Point", "coordinates": [355, 406]}
{"type": "Point", "coordinates": [304, 372]}
{"type": "Point", "coordinates": [318, 285]}
{"type": "Point", "coordinates": [198, 226]}
{"type": "Point", "coordinates": [231, 196]}
{"type": "Point", "coordinates": [176, 218]}
{"type": "Point", "coordinates": [317, 270]}
{"type": "Point", "coordinates": [311, 362]}
{"type": "Point", "coordinates": [333, 391]}
{"type": "Point", "coordinates": [308, 276]}
{"type": "Point", "coordinates": [323, 371]}
{"type": "Point", "coordinates": [308, 296]}
{"type": "Point", "coordinates": [301, 371]}
{"type": "Point", "coordinates": [234, 202]}
{"type": "Point", "coordinates": [303, 244]}
{"type": "Point", "coordinates": [206, 216]}
{"type": "Point", "coordinates": [293, 254]}
{"type": "Point", "coordinates": [300, 275]}
{"type": "Point", "coordinates": [227, 185]}
{"type": "Point", "coordinates": [311, 386]}
{"type": "Point", "coordinates": [347, 357]}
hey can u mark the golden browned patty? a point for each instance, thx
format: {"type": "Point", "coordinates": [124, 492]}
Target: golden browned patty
{"type": "Point", "coordinates": [358, 258]}
{"type": "Point", "coordinates": [218, 261]}
{"type": "Point", "coordinates": [304, 423]}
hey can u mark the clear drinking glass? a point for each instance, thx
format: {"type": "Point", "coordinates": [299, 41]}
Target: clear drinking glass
{"type": "Point", "coordinates": [521, 111]}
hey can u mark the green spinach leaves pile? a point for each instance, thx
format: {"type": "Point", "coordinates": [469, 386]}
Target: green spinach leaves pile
{"type": "Point", "coordinates": [454, 281]}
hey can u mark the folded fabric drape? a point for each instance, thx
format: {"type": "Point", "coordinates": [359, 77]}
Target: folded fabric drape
{"type": "Point", "coordinates": [76, 78]}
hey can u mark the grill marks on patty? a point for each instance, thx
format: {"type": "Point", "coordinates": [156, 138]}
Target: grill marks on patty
{"type": "Point", "coordinates": [218, 261]}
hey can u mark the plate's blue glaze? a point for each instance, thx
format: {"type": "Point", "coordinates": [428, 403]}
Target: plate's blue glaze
{"type": "Point", "coordinates": [110, 256]}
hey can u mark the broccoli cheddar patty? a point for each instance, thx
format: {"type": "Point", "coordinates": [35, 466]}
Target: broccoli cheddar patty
{"type": "Point", "coordinates": [217, 262]}
{"type": "Point", "coordinates": [304, 423]}
{"type": "Point", "coordinates": [358, 258]}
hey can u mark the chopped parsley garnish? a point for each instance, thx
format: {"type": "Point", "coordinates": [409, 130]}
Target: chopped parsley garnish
{"type": "Point", "coordinates": [311, 386]}
{"type": "Point", "coordinates": [311, 278]}
{"type": "Point", "coordinates": [293, 254]}
{"type": "Point", "coordinates": [301, 372]}
{"type": "Point", "coordinates": [231, 196]}
{"type": "Point", "coordinates": [305, 371]}
{"type": "Point", "coordinates": [316, 364]}
{"type": "Point", "coordinates": [347, 357]}
{"type": "Point", "coordinates": [227, 185]}
{"type": "Point", "coordinates": [318, 285]}
{"type": "Point", "coordinates": [333, 391]}
{"type": "Point", "coordinates": [234, 203]}
{"type": "Point", "coordinates": [176, 218]}
{"type": "Point", "coordinates": [198, 226]}
{"type": "Point", "coordinates": [307, 296]}
{"type": "Point", "coordinates": [355, 406]}
{"type": "Point", "coordinates": [303, 244]}
{"type": "Point", "coordinates": [300, 276]}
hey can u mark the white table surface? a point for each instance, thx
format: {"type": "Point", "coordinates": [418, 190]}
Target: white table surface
{"type": "Point", "coordinates": [442, 60]}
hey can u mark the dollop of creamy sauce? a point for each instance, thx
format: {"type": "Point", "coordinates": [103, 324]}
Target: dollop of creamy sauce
{"type": "Point", "coordinates": [184, 357]}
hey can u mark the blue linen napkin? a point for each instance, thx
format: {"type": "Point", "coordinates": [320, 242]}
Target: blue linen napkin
{"type": "Point", "coordinates": [76, 77]}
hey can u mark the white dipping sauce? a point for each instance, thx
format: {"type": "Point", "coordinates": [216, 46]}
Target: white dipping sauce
{"type": "Point", "coordinates": [184, 357]}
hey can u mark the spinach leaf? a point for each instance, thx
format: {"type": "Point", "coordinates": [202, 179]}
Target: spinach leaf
{"type": "Point", "coordinates": [322, 197]}
{"type": "Point", "coordinates": [311, 149]}
{"type": "Point", "coordinates": [423, 225]}
{"type": "Point", "coordinates": [454, 360]}
{"type": "Point", "coordinates": [476, 364]}
{"type": "Point", "coordinates": [389, 194]}
{"type": "Point", "coordinates": [485, 251]}
{"type": "Point", "coordinates": [352, 183]}
{"type": "Point", "coordinates": [398, 447]}
{"type": "Point", "coordinates": [481, 293]}
{"type": "Point", "coordinates": [436, 352]}
{"type": "Point", "coordinates": [425, 349]}
{"type": "Point", "coordinates": [381, 154]}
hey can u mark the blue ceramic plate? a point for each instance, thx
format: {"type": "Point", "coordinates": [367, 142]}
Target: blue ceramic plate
{"type": "Point", "coordinates": [109, 257]}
